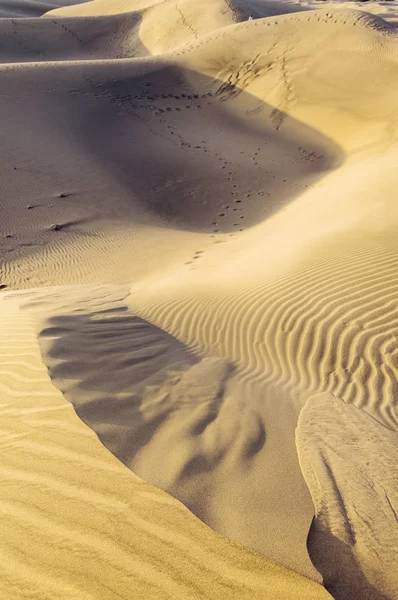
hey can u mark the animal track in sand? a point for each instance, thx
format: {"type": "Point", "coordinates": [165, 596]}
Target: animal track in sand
{"type": "Point", "coordinates": [193, 260]}
{"type": "Point", "coordinates": [66, 225]}
{"type": "Point", "coordinates": [178, 102]}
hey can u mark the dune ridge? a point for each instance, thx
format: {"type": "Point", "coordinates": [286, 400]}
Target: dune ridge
{"type": "Point", "coordinates": [355, 506]}
{"type": "Point", "coordinates": [30, 8]}
{"type": "Point", "coordinates": [165, 400]}
{"type": "Point", "coordinates": [83, 525]}
{"type": "Point", "coordinates": [237, 179]}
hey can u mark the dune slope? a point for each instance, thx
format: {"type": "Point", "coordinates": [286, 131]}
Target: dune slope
{"type": "Point", "coordinates": [349, 462]}
{"type": "Point", "coordinates": [75, 523]}
{"type": "Point", "coordinates": [238, 179]}
{"type": "Point", "coordinates": [31, 8]}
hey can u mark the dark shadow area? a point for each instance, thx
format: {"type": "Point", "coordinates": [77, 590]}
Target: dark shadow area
{"type": "Point", "coordinates": [203, 155]}
{"type": "Point", "coordinates": [146, 396]}
{"type": "Point", "coordinates": [150, 142]}
{"type": "Point", "coordinates": [110, 36]}
{"type": "Point", "coordinates": [342, 576]}
{"type": "Point", "coordinates": [103, 366]}
{"type": "Point", "coordinates": [168, 415]}
{"type": "Point", "coordinates": [53, 38]}
{"type": "Point", "coordinates": [11, 9]}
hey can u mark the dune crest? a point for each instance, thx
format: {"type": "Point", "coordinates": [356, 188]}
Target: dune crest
{"type": "Point", "coordinates": [180, 420]}
{"type": "Point", "coordinates": [349, 462]}
{"type": "Point", "coordinates": [80, 523]}
{"type": "Point", "coordinates": [199, 214]}
{"type": "Point", "coordinates": [31, 8]}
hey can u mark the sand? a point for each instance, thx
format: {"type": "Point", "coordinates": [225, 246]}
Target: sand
{"type": "Point", "coordinates": [198, 263]}
{"type": "Point", "coordinates": [30, 8]}
{"type": "Point", "coordinates": [76, 523]}
{"type": "Point", "coordinates": [349, 462]}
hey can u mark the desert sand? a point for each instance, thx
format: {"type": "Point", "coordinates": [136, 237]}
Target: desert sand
{"type": "Point", "coordinates": [199, 310]}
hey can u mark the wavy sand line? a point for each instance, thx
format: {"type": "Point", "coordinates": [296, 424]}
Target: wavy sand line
{"type": "Point", "coordinates": [83, 525]}
{"type": "Point", "coordinates": [333, 331]}
{"type": "Point", "coordinates": [241, 243]}
{"type": "Point", "coordinates": [162, 400]}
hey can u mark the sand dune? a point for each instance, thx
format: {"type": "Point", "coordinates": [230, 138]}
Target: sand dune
{"type": "Point", "coordinates": [218, 10]}
{"type": "Point", "coordinates": [349, 462]}
{"type": "Point", "coordinates": [386, 9]}
{"type": "Point", "coordinates": [158, 27]}
{"type": "Point", "coordinates": [209, 206]}
{"type": "Point", "coordinates": [77, 524]}
{"type": "Point", "coordinates": [164, 400]}
{"type": "Point", "coordinates": [30, 8]}
{"type": "Point", "coordinates": [120, 30]}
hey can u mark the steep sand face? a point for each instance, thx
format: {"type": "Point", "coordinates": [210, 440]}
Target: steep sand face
{"type": "Point", "coordinates": [239, 179]}
{"type": "Point", "coordinates": [349, 462]}
{"type": "Point", "coordinates": [75, 523]}
{"type": "Point", "coordinates": [180, 420]}
{"type": "Point", "coordinates": [160, 26]}
{"type": "Point", "coordinates": [30, 8]}
{"type": "Point", "coordinates": [256, 8]}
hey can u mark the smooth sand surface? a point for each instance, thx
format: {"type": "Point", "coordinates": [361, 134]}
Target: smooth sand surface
{"type": "Point", "coordinates": [350, 463]}
{"type": "Point", "coordinates": [386, 9]}
{"type": "Point", "coordinates": [30, 8]}
{"type": "Point", "coordinates": [199, 218]}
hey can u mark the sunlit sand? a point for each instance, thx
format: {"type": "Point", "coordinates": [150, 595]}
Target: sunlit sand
{"type": "Point", "coordinates": [198, 300]}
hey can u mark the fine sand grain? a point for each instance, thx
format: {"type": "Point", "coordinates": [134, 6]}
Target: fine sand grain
{"type": "Point", "coordinates": [349, 462]}
{"type": "Point", "coordinates": [198, 263]}
{"type": "Point", "coordinates": [75, 523]}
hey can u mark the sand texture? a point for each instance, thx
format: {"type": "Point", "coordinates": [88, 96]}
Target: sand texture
{"type": "Point", "coordinates": [30, 8]}
{"type": "Point", "coordinates": [76, 523]}
{"type": "Point", "coordinates": [350, 463]}
{"type": "Point", "coordinates": [198, 299]}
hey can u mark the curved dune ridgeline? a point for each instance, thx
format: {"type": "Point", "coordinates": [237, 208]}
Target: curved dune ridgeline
{"type": "Point", "coordinates": [198, 299]}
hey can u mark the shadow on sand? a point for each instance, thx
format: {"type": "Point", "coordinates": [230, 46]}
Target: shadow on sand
{"type": "Point", "coordinates": [342, 576]}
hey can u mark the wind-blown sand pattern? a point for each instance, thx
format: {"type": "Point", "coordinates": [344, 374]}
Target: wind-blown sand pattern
{"type": "Point", "coordinates": [75, 523]}
{"type": "Point", "coordinates": [197, 238]}
{"type": "Point", "coordinates": [163, 400]}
